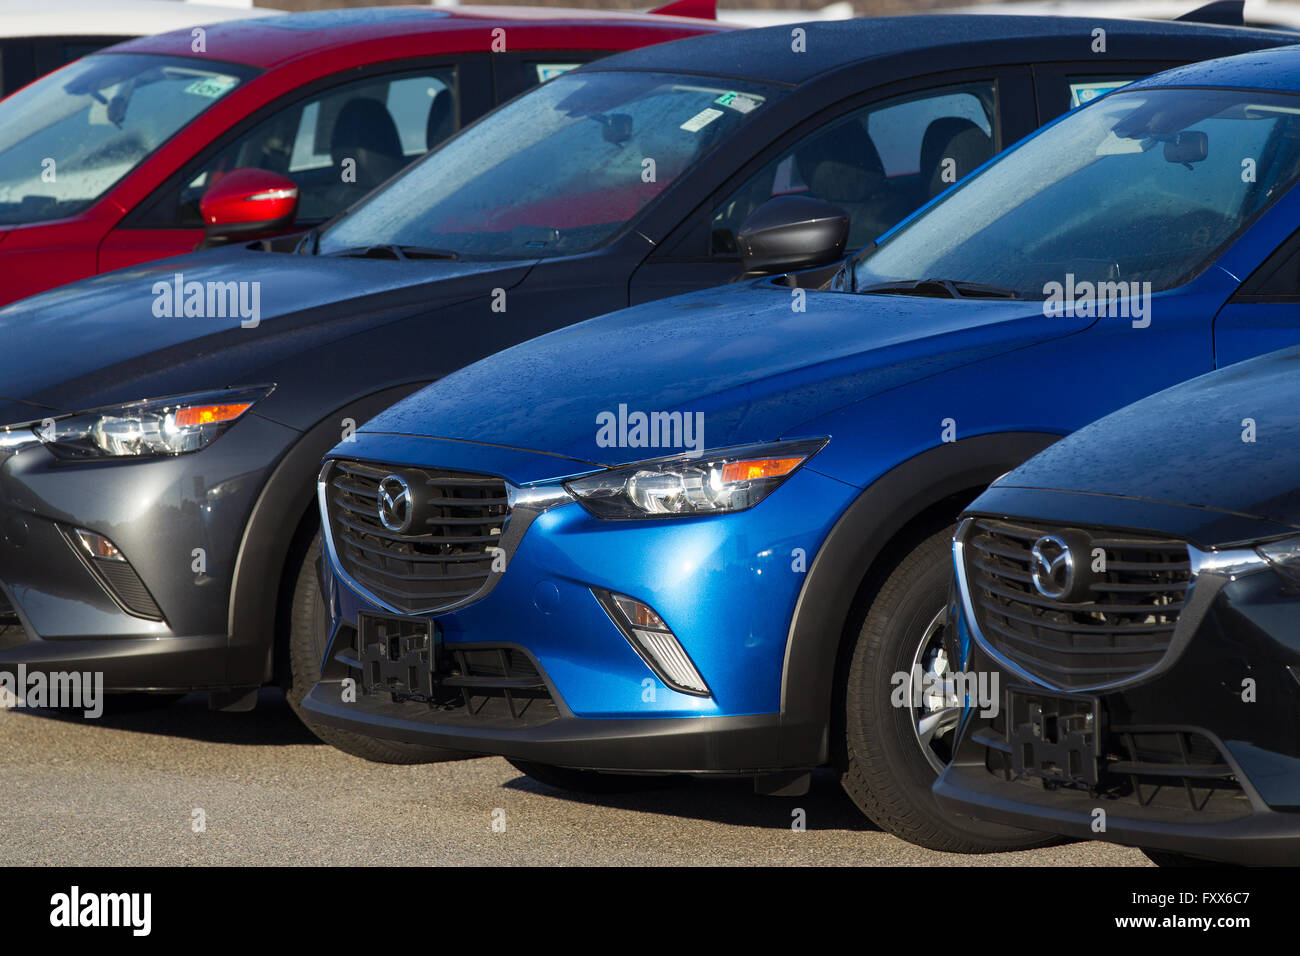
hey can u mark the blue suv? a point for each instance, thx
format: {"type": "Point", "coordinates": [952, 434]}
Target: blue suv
{"type": "Point", "coordinates": [711, 534]}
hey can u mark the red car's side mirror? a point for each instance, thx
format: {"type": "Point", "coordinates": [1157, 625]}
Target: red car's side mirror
{"type": "Point", "coordinates": [248, 204]}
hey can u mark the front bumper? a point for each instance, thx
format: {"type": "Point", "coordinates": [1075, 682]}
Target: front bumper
{"type": "Point", "coordinates": [726, 585]}
{"type": "Point", "coordinates": [739, 745]}
{"type": "Point", "coordinates": [1205, 749]}
{"type": "Point", "coordinates": [1263, 838]}
{"type": "Point", "coordinates": [179, 522]}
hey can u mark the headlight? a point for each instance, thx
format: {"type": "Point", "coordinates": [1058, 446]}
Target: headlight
{"type": "Point", "coordinates": [164, 426]}
{"type": "Point", "coordinates": [1283, 557]}
{"type": "Point", "coordinates": [729, 479]}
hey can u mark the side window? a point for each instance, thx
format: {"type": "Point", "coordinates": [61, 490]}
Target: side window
{"type": "Point", "coordinates": [878, 163]}
{"type": "Point", "coordinates": [1278, 279]}
{"type": "Point", "coordinates": [338, 144]}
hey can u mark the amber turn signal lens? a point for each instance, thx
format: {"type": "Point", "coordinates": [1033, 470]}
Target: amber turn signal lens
{"type": "Point", "coordinates": [210, 414]}
{"type": "Point", "coordinates": [758, 468]}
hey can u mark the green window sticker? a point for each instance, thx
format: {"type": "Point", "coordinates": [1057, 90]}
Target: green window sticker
{"type": "Point", "coordinates": [740, 102]}
{"type": "Point", "coordinates": [213, 86]}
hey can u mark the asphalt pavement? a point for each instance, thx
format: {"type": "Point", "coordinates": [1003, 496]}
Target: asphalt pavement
{"type": "Point", "coordinates": [183, 785]}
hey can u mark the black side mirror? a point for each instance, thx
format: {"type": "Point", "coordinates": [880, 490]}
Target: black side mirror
{"type": "Point", "coordinates": [792, 232]}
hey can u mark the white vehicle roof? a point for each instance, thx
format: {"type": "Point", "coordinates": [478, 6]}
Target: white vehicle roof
{"type": "Point", "coordinates": [115, 18]}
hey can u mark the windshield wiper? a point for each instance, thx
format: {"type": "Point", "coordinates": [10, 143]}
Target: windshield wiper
{"type": "Point", "coordinates": [396, 251]}
{"type": "Point", "coordinates": [942, 289]}
{"type": "Point", "coordinates": [309, 244]}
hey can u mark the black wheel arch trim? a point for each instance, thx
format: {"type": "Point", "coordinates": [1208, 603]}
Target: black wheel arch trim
{"type": "Point", "coordinates": [284, 500]}
{"type": "Point", "coordinates": [876, 517]}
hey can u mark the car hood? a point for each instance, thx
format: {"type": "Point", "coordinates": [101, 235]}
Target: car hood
{"type": "Point", "coordinates": [101, 340]}
{"type": "Point", "coordinates": [1189, 445]}
{"type": "Point", "coordinates": [744, 356]}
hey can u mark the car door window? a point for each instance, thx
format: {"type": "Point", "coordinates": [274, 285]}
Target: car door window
{"type": "Point", "coordinates": [878, 163]}
{"type": "Point", "coordinates": [339, 144]}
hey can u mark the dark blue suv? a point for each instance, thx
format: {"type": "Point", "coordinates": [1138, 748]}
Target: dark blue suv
{"type": "Point", "coordinates": [711, 534]}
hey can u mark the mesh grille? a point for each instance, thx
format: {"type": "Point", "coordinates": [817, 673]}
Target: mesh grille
{"type": "Point", "coordinates": [1121, 629]}
{"type": "Point", "coordinates": [443, 562]}
{"type": "Point", "coordinates": [128, 587]}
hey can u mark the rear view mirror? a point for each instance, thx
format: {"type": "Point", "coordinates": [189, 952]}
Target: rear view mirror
{"type": "Point", "coordinates": [1187, 147]}
{"type": "Point", "coordinates": [617, 128]}
{"type": "Point", "coordinates": [792, 232]}
{"type": "Point", "coordinates": [248, 204]}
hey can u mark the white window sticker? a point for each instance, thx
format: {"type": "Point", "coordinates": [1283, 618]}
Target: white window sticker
{"type": "Point", "coordinates": [701, 119]}
{"type": "Point", "coordinates": [549, 71]}
{"type": "Point", "coordinates": [1081, 93]}
{"type": "Point", "coordinates": [211, 87]}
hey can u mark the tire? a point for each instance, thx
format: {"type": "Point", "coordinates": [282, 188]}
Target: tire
{"type": "Point", "coordinates": [308, 630]}
{"type": "Point", "coordinates": [589, 781]}
{"type": "Point", "coordinates": [889, 771]}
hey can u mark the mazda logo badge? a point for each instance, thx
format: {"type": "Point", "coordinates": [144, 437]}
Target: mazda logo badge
{"type": "Point", "coordinates": [1052, 565]}
{"type": "Point", "coordinates": [395, 504]}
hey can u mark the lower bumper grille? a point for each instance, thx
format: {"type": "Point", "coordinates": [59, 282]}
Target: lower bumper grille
{"type": "Point", "coordinates": [482, 685]}
{"type": "Point", "coordinates": [1167, 772]}
{"type": "Point", "coordinates": [1114, 621]}
{"type": "Point", "coordinates": [1176, 769]}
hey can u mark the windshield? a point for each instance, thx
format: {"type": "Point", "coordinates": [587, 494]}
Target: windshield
{"type": "Point", "coordinates": [1142, 186]}
{"type": "Point", "coordinates": [68, 137]}
{"type": "Point", "coordinates": [555, 172]}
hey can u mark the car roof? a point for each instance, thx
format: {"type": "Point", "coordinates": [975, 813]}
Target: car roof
{"type": "Point", "coordinates": [1277, 69]}
{"type": "Point", "coordinates": [765, 54]}
{"type": "Point", "coordinates": [268, 41]}
{"type": "Point", "coordinates": [111, 18]}
{"type": "Point", "coordinates": [1273, 14]}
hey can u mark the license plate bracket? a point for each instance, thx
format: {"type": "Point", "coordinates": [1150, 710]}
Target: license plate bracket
{"type": "Point", "coordinates": [1054, 737]}
{"type": "Point", "coordinates": [399, 655]}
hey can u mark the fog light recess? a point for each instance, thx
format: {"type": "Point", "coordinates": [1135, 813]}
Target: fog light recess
{"type": "Point", "coordinates": [114, 573]}
{"type": "Point", "coordinates": [651, 638]}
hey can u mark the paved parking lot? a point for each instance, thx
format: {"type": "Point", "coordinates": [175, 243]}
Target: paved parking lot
{"type": "Point", "coordinates": [124, 790]}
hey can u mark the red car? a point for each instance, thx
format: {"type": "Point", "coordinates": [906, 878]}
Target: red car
{"type": "Point", "coordinates": [162, 143]}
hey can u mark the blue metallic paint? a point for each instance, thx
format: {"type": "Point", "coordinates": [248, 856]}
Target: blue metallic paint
{"type": "Point", "coordinates": [877, 374]}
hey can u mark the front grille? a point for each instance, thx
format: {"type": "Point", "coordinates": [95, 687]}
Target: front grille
{"type": "Point", "coordinates": [1118, 632]}
{"type": "Point", "coordinates": [444, 562]}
